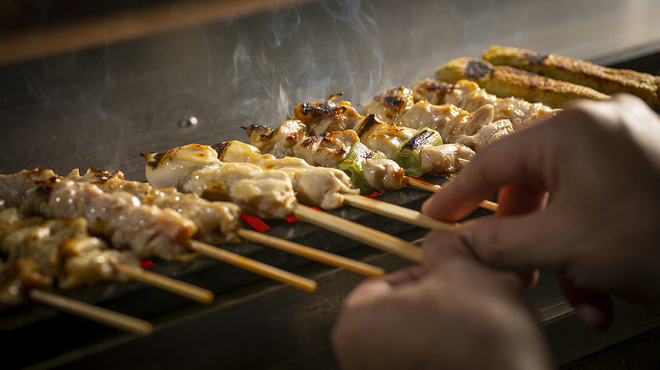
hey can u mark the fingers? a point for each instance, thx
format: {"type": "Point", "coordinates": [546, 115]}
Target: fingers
{"type": "Point", "coordinates": [594, 308]}
{"type": "Point", "coordinates": [513, 160]}
{"type": "Point", "coordinates": [442, 246]}
{"type": "Point", "coordinates": [521, 243]}
{"type": "Point", "coordinates": [445, 248]}
{"type": "Point", "coordinates": [520, 199]}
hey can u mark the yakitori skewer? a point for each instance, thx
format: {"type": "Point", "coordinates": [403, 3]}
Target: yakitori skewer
{"type": "Point", "coordinates": [21, 281]}
{"type": "Point", "coordinates": [263, 193]}
{"type": "Point", "coordinates": [62, 250]}
{"type": "Point", "coordinates": [236, 151]}
{"type": "Point", "coordinates": [216, 220]}
{"type": "Point", "coordinates": [146, 230]}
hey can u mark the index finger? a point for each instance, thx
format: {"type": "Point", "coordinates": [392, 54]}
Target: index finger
{"type": "Point", "coordinates": [520, 158]}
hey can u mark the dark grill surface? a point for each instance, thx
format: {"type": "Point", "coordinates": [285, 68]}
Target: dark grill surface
{"type": "Point", "coordinates": [102, 106]}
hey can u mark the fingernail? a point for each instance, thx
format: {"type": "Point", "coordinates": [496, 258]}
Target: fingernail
{"type": "Point", "coordinates": [591, 315]}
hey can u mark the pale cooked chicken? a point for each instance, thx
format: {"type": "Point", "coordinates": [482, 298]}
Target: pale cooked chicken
{"type": "Point", "coordinates": [322, 187]}
{"type": "Point", "coordinates": [469, 96]}
{"type": "Point", "coordinates": [180, 160]}
{"type": "Point", "coordinates": [383, 174]}
{"type": "Point", "coordinates": [456, 125]}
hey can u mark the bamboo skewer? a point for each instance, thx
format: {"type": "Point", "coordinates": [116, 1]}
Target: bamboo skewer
{"type": "Point", "coordinates": [486, 204]}
{"type": "Point", "coordinates": [253, 266]}
{"type": "Point", "coordinates": [360, 233]}
{"type": "Point", "coordinates": [172, 285]}
{"type": "Point", "coordinates": [311, 253]}
{"type": "Point", "coordinates": [91, 312]}
{"type": "Point", "coordinates": [136, 273]}
{"type": "Point", "coordinates": [396, 212]}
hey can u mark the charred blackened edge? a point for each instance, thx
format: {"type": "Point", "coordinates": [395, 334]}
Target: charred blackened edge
{"type": "Point", "coordinates": [478, 69]}
{"type": "Point", "coordinates": [220, 148]}
{"type": "Point", "coordinates": [153, 160]}
{"type": "Point", "coordinates": [265, 134]}
{"type": "Point", "coordinates": [440, 88]}
{"type": "Point", "coordinates": [307, 143]}
{"type": "Point", "coordinates": [535, 58]}
{"type": "Point", "coordinates": [317, 109]}
{"type": "Point", "coordinates": [419, 140]}
{"type": "Point", "coordinates": [393, 97]}
{"type": "Point", "coordinates": [46, 187]}
{"type": "Point", "coordinates": [366, 125]}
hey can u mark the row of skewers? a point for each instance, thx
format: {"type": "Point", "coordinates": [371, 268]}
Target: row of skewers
{"type": "Point", "coordinates": [67, 232]}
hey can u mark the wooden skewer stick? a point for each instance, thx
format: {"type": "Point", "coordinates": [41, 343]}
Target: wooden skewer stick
{"type": "Point", "coordinates": [172, 285]}
{"type": "Point", "coordinates": [253, 266]}
{"type": "Point", "coordinates": [360, 233]}
{"type": "Point", "coordinates": [396, 212]}
{"type": "Point", "coordinates": [311, 253]}
{"type": "Point", "coordinates": [463, 162]}
{"type": "Point", "coordinates": [91, 312]}
{"type": "Point", "coordinates": [486, 204]}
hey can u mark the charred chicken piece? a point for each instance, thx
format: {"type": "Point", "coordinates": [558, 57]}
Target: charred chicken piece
{"type": "Point", "coordinates": [327, 116]}
{"type": "Point", "coordinates": [391, 104]}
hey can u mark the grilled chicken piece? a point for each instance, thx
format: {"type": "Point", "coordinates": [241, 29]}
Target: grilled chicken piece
{"type": "Point", "coordinates": [579, 72]}
{"type": "Point", "coordinates": [327, 149]}
{"type": "Point", "coordinates": [391, 104]}
{"type": "Point", "coordinates": [269, 194]}
{"type": "Point", "coordinates": [217, 182]}
{"type": "Point", "coordinates": [505, 81]}
{"type": "Point", "coordinates": [237, 151]}
{"type": "Point", "coordinates": [325, 117]}
{"type": "Point", "coordinates": [277, 142]}
{"type": "Point", "coordinates": [474, 130]}
{"type": "Point", "coordinates": [469, 96]}
{"type": "Point", "coordinates": [382, 136]}
{"type": "Point", "coordinates": [216, 222]}
{"type": "Point", "coordinates": [62, 250]}
{"type": "Point", "coordinates": [445, 157]}
{"type": "Point", "coordinates": [314, 186]}
{"type": "Point", "coordinates": [147, 230]}
{"type": "Point", "coordinates": [175, 162]}
{"type": "Point", "coordinates": [266, 194]}
{"type": "Point", "coordinates": [384, 174]}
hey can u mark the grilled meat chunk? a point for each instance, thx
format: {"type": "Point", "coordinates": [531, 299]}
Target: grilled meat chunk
{"type": "Point", "coordinates": [469, 96]}
{"type": "Point", "coordinates": [505, 81]}
{"type": "Point", "coordinates": [391, 104]}
{"type": "Point", "coordinates": [579, 72]}
{"type": "Point", "coordinates": [327, 116]}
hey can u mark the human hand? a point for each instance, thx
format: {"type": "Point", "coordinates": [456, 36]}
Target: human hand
{"type": "Point", "coordinates": [600, 161]}
{"type": "Point", "coordinates": [450, 313]}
